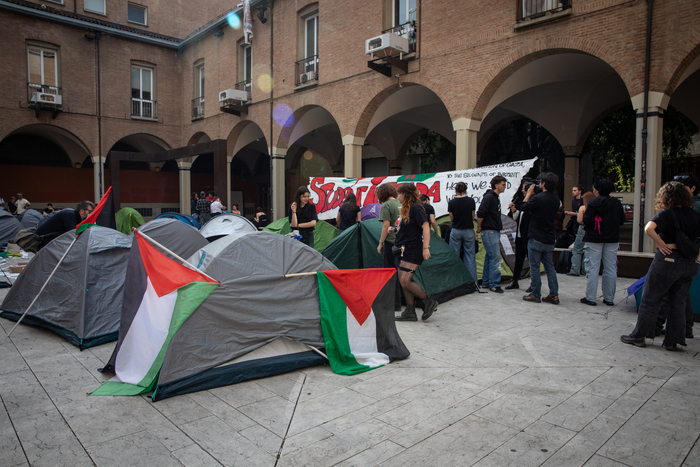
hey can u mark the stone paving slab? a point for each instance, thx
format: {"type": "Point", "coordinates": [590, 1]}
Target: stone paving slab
{"type": "Point", "coordinates": [491, 381]}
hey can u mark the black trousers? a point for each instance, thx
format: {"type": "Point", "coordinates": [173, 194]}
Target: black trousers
{"type": "Point", "coordinates": [520, 253]}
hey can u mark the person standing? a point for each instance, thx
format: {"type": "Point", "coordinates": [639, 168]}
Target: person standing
{"type": "Point", "coordinates": [203, 208]}
{"type": "Point", "coordinates": [671, 272]}
{"type": "Point", "coordinates": [12, 206]}
{"type": "Point", "coordinates": [602, 220]}
{"type": "Point", "coordinates": [543, 208]}
{"type": "Point", "coordinates": [22, 203]}
{"type": "Point", "coordinates": [216, 207]}
{"type": "Point", "coordinates": [303, 216]}
{"type": "Point", "coordinates": [388, 215]}
{"type": "Point", "coordinates": [413, 244]}
{"type": "Point", "coordinates": [490, 226]}
{"type": "Point", "coordinates": [462, 237]}
{"type": "Point", "coordinates": [430, 211]}
{"type": "Point", "coordinates": [577, 254]}
{"type": "Point", "coordinates": [576, 203]}
{"type": "Point", "coordinates": [521, 233]}
{"type": "Point", "coordinates": [348, 214]}
{"type": "Point", "coordinates": [193, 205]}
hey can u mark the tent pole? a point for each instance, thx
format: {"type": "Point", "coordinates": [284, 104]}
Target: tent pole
{"type": "Point", "coordinates": [43, 286]}
{"type": "Point", "coordinates": [300, 274]}
{"type": "Point", "coordinates": [173, 254]}
{"type": "Point", "coordinates": [317, 351]}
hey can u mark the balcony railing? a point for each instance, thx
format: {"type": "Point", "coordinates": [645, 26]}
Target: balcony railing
{"type": "Point", "coordinates": [246, 86]}
{"type": "Point", "coordinates": [197, 108]}
{"type": "Point", "coordinates": [530, 9]}
{"type": "Point", "coordinates": [407, 30]}
{"type": "Point", "coordinates": [143, 108]}
{"type": "Point", "coordinates": [306, 71]}
{"type": "Point", "coordinates": [44, 95]}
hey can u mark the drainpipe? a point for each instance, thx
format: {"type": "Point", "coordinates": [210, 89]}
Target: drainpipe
{"type": "Point", "coordinates": [272, 102]}
{"type": "Point", "coordinates": [99, 111]}
{"type": "Point", "coordinates": [647, 62]}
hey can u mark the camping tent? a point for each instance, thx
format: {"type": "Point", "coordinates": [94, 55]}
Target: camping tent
{"type": "Point", "coordinates": [256, 323]}
{"type": "Point", "coordinates": [226, 224]}
{"type": "Point", "coordinates": [128, 218]}
{"type": "Point", "coordinates": [442, 277]}
{"type": "Point", "coordinates": [82, 301]}
{"type": "Point", "coordinates": [179, 237]}
{"type": "Point", "coordinates": [9, 226]}
{"type": "Point", "coordinates": [323, 234]}
{"type": "Point", "coordinates": [31, 218]}
{"type": "Point", "coordinates": [370, 211]}
{"type": "Point", "coordinates": [182, 218]}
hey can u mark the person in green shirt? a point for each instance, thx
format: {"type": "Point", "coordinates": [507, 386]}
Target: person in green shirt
{"type": "Point", "coordinates": [388, 215]}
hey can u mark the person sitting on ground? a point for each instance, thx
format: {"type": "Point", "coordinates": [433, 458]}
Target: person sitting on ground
{"type": "Point", "coordinates": [63, 221]}
{"type": "Point", "coordinates": [48, 210]}
{"type": "Point", "coordinates": [260, 219]}
{"type": "Point", "coordinates": [430, 211]}
{"type": "Point", "coordinates": [348, 213]}
{"type": "Point", "coordinates": [671, 272]}
{"type": "Point", "coordinates": [235, 209]}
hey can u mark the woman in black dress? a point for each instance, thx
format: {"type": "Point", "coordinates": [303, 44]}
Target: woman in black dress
{"type": "Point", "coordinates": [412, 247]}
{"type": "Point", "coordinates": [303, 217]}
{"type": "Point", "coordinates": [670, 272]}
{"type": "Point", "coordinates": [348, 213]}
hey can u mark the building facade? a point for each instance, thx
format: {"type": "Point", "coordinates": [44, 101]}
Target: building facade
{"type": "Point", "coordinates": [147, 78]}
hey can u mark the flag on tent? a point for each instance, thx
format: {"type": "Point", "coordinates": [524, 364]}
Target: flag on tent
{"type": "Point", "coordinates": [171, 294]}
{"type": "Point", "coordinates": [102, 215]}
{"type": "Point", "coordinates": [357, 318]}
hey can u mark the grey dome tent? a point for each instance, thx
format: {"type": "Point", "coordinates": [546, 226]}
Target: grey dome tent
{"type": "Point", "coordinates": [9, 226]}
{"type": "Point", "coordinates": [82, 301]}
{"type": "Point", "coordinates": [226, 224]}
{"type": "Point", "coordinates": [443, 277]}
{"type": "Point", "coordinates": [179, 237]}
{"type": "Point", "coordinates": [255, 324]}
{"type": "Point", "coordinates": [31, 218]}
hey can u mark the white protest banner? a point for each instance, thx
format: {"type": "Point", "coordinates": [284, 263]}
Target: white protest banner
{"type": "Point", "coordinates": [328, 193]}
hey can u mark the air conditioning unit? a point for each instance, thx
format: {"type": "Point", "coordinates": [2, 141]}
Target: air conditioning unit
{"type": "Point", "coordinates": [233, 95]}
{"type": "Point", "coordinates": [46, 98]}
{"type": "Point", "coordinates": [388, 42]}
{"type": "Point", "coordinates": [306, 77]}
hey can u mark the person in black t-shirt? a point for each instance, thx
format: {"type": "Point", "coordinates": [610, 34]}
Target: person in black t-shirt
{"type": "Point", "coordinates": [413, 245]}
{"type": "Point", "coordinates": [348, 213]}
{"type": "Point", "coordinates": [670, 272]}
{"type": "Point", "coordinates": [62, 221]}
{"type": "Point", "coordinates": [303, 217]}
{"type": "Point", "coordinates": [430, 211]}
{"type": "Point", "coordinates": [462, 237]}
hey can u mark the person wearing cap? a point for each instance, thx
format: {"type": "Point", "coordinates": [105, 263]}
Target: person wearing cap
{"type": "Point", "coordinates": [601, 222]}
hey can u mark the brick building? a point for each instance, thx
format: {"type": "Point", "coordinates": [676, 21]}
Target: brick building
{"type": "Point", "coordinates": [145, 78]}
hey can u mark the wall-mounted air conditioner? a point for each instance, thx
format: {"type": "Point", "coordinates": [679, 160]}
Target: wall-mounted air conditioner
{"type": "Point", "coordinates": [306, 77]}
{"type": "Point", "coordinates": [46, 98]}
{"type": "Point", "coordinates": [233, 95]}
{"type": "Point", "coordinates": [388, 42]}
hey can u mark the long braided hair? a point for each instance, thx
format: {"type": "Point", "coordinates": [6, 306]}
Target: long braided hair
{"type": "Point", "coordinates": [410, 197]}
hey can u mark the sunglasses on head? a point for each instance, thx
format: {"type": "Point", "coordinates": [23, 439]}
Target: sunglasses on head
{"type": "Point", "coordinates": [681, 177]}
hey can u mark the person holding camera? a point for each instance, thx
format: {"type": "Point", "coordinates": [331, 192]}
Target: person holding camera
{"type": "Point", "coordinates": [543, 208]}
{"type": "Point", "coordinates": [601, 222]}
{"type": "Point", "coordinates": [489, 225]}
{"type": "Point", "coordinates": [674, 266]}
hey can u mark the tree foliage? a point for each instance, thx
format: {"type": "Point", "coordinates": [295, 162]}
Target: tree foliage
{"type": "Point", "coordinates": [432, 148]}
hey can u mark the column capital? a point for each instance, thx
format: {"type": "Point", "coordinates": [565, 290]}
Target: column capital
{"type": "Point", "coordinates": [354, 140]}
{"type": "Point", "coordinates": [656, 99]}
{"type": "Point", "coordinates": [275, 151]}
{"type": "Point", "coordinates": [183, 165]}
{"type": "Point", "coordinates": [466, 124]}
{"type": "Point", "coordinates": [95, 161]}
{"type": "Point", "coordinates": [572, 151]}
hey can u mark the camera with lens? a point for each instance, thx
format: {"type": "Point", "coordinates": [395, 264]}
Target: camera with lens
{"type": "Point", "coordinates": [527, 181]}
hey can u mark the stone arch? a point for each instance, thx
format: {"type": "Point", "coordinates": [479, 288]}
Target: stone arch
{"type": "Point", "coordinates": [199, 137]}
{"type": "Point", "coordinates": [686, 66]}
{"type": "Point", "coordinates": [70, 143]}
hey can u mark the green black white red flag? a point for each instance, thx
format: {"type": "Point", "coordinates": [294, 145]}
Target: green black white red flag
{"type": "Point", "coordinates": [357, 318]}
{"type": "Point", "coordinates": [172, 292]}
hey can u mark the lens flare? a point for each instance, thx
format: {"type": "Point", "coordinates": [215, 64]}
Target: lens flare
{"type": "Point", "coordinates": [282, 114]}
{"type": "Point", "coordinates": [233, 20]}
{"type": "Point", "coordinates": [264, 83]}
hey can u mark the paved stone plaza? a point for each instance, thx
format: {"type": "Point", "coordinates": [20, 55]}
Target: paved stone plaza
{"type": "Point", "coordinates": [491, 381]}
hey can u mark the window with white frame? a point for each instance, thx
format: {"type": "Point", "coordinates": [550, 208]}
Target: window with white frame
{"type": "Point", "coordinates": [42, 67]}
{"type": "Point", "coordinates": [404, 11]}
{"type": "Point", "coordinates": [311, 38]}
{"type": "Point", "coordinates": [198, 101]}
{"type": "Point", "coordinates": [143, 100]}
{"type": "Point", "coordinates": [96, 6]}
{"type": "Point", "coordinates": [137, 14]}
{"type": "Point", "coordinates": [245, 69]}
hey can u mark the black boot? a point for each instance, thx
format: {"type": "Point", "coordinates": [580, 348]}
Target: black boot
{"type": "Point", "coordinates": [409, 314]}
{"type": "Point", "coordinates": [513, 285]}
{"type": "Point", "coordinates": [429, 309]}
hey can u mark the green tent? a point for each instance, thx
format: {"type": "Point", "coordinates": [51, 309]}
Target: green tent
{"type": "Point", "coordinates": [323, 234]}
{"type": "Point", "coordinates": [443, 276]}
{"type": "Point", "coordinates": [127, 218]}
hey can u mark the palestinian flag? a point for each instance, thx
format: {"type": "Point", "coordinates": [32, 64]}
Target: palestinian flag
{"type": "Point", "coordinates": [357, 318]}
{"type": "Point", "coordinates": [170, 294]}
{"type": "Point", "coordinates": [102, 215]}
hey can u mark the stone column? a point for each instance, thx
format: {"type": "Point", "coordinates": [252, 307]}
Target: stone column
{"type": "Point", "coordinates": [646, 195]}
{"type": "Point", "coordinates": [96, 179]}
{"type": "Point", "coordinates": [278, 182]}
{"type": "Point", "coordinates": [185, 187]}
{"type": "Point", "coordinates": [572, 162]}
{"type": "Point", "coordinates": [467, 131]}
{"type": "Point", "coordinates": [353, 156]}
